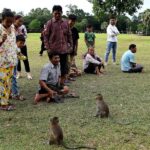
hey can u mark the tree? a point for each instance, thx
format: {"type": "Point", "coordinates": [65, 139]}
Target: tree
{"type": "Point", "coordinates": [35, 25]}
{"type": "Point", "coordinates": [104, 26]}
{"type": "Point", "coordinates": [123, 24]}
{"type": "Point", "coordinates": [116, 7]}
{"type": "Point", "coordinates": [134, 24]}
{"type": "Point", "coordinates": [42, 15]}
{"type": "Point", "coordinates": [73, 9]}
{"type": "Point", "coordinates": [144, 20]}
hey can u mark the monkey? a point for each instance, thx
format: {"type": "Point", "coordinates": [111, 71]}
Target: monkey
{"type": "Point", "coordinates": [56, 135]}
{"type": "Point", "coordinates": [102, 107]}
{"type": "Point", "coordinates": [103, 110]}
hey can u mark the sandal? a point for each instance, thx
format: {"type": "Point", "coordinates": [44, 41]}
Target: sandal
{"type": "Point", "coordinates": [19, 97]}
{"type": "Point", "coordinates": [71, 79]}
{"type": "Point", "coordinates": [8, 107]}
{"type": "Point", "coordinates": [72, 95]}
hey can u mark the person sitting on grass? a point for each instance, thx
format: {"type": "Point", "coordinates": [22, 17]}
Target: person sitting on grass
{"type": "Point", "coordinates": [50, 80]}
{"type": "Point", "coordinates": [92, 63]}
{"type": "Point", "coordinates": [128, 61]}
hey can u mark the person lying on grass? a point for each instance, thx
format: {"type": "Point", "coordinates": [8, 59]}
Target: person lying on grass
{"type": "Point", "coordinates": [92, 63]}
{"type": "Point", "coordinates": [50, 80]}
{"type": "Point", "coordinates": [128, 61]}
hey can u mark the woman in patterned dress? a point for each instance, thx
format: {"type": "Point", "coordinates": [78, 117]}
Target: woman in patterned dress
{"type": "Point", "coordinates": [8, 58]}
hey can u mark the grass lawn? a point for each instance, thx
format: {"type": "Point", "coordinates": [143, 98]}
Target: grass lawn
{"type": "Point", "coordinates": [128, 97]}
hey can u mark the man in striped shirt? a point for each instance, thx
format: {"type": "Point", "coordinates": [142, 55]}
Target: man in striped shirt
{"type": "Point", "coordinates": [57, 38]}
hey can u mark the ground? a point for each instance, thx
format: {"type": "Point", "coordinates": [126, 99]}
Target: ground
{"type": "Point", "coordinates": [127, 95]}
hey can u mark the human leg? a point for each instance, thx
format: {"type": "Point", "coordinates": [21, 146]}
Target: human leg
{"type": "Point", "coordinates": [26, 62]}
{"type": "Point", "coordinates": [5, 86]}
{"type": "Point", "coordinates": [64, 67]}
{"type": "Point", "coordinates": [136, 69]}
{"type": "Point", "coordinates": [114, 49]}
{"type": "Point", "coordinates": [90, 69]}
{"type": "Point", "coordinates": [108, 49]}
{"type": "Point", "coordinates": [15, 90]}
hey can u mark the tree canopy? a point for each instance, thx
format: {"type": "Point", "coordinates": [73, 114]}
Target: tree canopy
{"type": "Point", "coordinates": [116, 7]}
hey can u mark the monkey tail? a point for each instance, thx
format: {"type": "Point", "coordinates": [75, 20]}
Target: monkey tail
{"type": "Point", "coordinates": [120, 122]}
{"type": "Point", "coordinates": [79, 147]}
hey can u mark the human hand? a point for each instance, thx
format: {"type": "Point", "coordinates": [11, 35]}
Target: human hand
{"type": "Point", "coordinates": [52, 93]}
{"type": "Point", "coordinates": [4, 37]}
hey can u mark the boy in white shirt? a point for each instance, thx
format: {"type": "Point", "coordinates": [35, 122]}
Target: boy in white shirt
{"type": "Point", "coordinates": [112, 33]}
{"type": "Point", "coordinates": [92, 62]}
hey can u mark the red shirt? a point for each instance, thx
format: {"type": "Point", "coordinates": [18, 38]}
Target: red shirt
{"type": "Point", "coordinates": [57, 36]}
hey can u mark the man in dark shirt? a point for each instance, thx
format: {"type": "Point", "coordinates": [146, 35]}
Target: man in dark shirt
{"type": "Point", "coordinates": [75, 37]}
{"type": "Point", "coordinates": [57, 38]}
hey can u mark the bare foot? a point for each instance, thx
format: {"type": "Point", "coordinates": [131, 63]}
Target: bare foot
{"type": "Point", "coordinates": [48, 99]}
{"type": "Point", "coordinates": [36, 98]}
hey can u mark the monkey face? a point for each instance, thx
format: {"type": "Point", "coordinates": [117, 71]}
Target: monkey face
{"type": "Point", "coordinates": [99, 97]}
{"type": "Point", "coordinates": [54, 120]}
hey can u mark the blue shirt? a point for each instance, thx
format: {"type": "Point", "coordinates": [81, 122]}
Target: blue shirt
{"type": "Point", "coordinates": [126, 60]}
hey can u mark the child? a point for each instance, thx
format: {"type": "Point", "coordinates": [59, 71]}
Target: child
{"type": "Point", "coordinates": [89, 36]}
{"type": "Point", "coordinates": [8, 58]}
{"type": "Point", "coordinates": [21, 29]}
{"type": "Point", "coordinates": [74, 71]}
{"type": "Point", "coordinates": [92, 63]}
{"type": "Point", "coordinates": [20, 40]}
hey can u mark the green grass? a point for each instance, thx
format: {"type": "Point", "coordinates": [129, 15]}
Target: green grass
{"type": "Point", "coordinates": [128, 97]}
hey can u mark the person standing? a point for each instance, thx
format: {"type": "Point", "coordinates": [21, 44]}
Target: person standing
{"type": "Point", "coordinates": [89, 36]}
{"type": "Point", "coordinates": [112, 33]}
{"type": "Point", "coordinates": [75, 36]}
{"type": "Point", "coordinates": [57, 38]}
{"type": "Point", "coordinates": [42, 41]}
{"type": "Point", "coordinates": [8, 58]}
{"type": "Point", "coordinates": [21, 29]}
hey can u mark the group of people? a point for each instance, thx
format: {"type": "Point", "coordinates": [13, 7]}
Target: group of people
{"type": "Point", "coordinates": [12, 50]}
{"type": "Point", "coordinates": [60, 39]}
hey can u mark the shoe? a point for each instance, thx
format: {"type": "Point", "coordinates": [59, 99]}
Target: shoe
{"type": "Point", "coordinates": [18, 97]}
{"type": "Point", "coordinates": [18, 75]}
{"type": "Point", "coordinates": [57, 99]}
{"type": "Point", "coordinates": [29, 76]}
{"type": "Point", "coordinates": [105, 64]}
{"type": "Point", "coordinates": [114, 63]}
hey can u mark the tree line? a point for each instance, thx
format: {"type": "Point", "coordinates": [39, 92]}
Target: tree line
{"type": "Point", "coordinates": [102, 10]}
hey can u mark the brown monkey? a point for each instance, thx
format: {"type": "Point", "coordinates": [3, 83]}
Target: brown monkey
{"type": "Point", "coordinates": [102, 107]}
{"type": "Point", "coordinates": [56, 135]}
{"type": "Point", "coordinates": [103, 111]}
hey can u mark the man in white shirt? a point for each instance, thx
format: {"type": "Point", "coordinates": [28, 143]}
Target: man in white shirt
{"type": "Point", "coordinates": [112, 33]}
{"type": "Point", "coordinates": [92, 62]}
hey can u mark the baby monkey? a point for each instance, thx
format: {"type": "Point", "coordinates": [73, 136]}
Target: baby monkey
{"type": "Point", "coordinates": [102, 109]}
{"type": "Point", "coordinates": [56, 135]}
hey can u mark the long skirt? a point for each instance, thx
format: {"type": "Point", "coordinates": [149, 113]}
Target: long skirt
{"type": "Point", "coordinates": [5, 84]}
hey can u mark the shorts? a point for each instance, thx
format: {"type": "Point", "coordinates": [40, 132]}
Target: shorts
{"type": "Point", "coordinates": [56, 88]}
